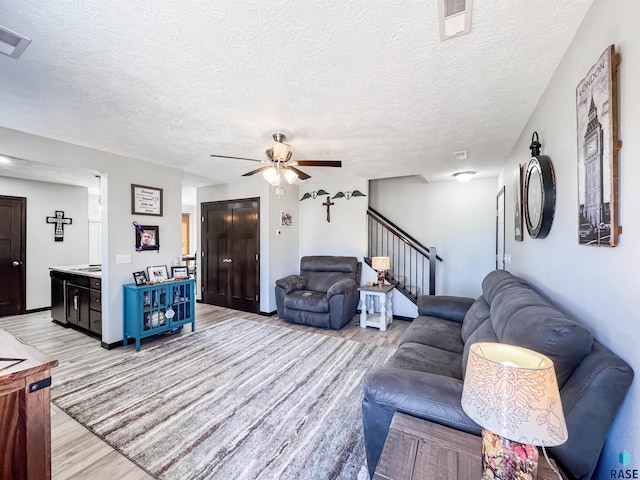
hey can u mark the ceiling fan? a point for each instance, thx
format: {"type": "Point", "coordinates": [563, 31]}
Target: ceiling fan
{"type": "Point", "coordinates": [279, 163]}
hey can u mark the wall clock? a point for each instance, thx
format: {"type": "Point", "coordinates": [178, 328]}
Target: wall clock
{"type": "Point", "coordinates": [539, 192]}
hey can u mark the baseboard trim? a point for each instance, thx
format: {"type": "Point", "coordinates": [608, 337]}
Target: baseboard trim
{"type": "Point", "coordinates": [111, 346]}
{"type": "Point", "coordinates": [36, 310]}
{"type": "Point", "coordinates": [395, 317]}
{"type": "Point", "coordinates": [267, 314]}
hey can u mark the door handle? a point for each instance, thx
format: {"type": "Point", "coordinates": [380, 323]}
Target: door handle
{"type": "Point", "coordinates": [226, 260]}
{"type": "Point", "coordinates": [16, 263]}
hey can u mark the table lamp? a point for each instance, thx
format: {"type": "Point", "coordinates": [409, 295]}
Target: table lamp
{"type": "Point", "coordinates": [381, 265]}
{"type": "Point", "coordinates": [512, 392]}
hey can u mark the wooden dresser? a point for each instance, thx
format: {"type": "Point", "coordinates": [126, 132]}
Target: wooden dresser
{"type": "Point", "coordinates": [25, 413]}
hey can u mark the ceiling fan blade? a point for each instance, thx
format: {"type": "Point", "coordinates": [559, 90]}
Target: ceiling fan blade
{"type": "Point", "coordinates": [257, 170]}
{"type": "Point", "coordinates": [238, 158]}
{"type": "Point", "coordinates": [319, 163]}
{"type": "Point", "coordinates": [301, 174]}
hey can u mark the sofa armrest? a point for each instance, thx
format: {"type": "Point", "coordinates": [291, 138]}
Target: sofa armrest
{"type": "Point", "coordinates": [345, 286]}
{"type": "Point", "coordinates": [421, 394]}
{"type": "Point", "coordinates": [442, 306]}
{"type": "Point", "coordinates": [291, 283]}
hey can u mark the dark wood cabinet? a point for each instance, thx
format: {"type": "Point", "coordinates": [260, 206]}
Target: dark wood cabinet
{"type": "Point", "coordinates": [76, 300]}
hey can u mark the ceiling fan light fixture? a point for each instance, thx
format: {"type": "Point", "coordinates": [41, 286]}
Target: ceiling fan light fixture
{"type": "Point", "coordinates": [281, 151]}
{"type": "Point", "coordinates": [272, 176]}
{"type": "Point", "coordinates": [290, 175]}
{"type": "Point", "coordinates": [464, 176]}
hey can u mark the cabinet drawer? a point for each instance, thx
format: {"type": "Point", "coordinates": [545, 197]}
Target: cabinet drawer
{"type": "Point", "coordinates": [95, 283]}
{"type": "Point", "coordinates": [95, 321]}
{"type": "Point", "coordinates": [95, 300]}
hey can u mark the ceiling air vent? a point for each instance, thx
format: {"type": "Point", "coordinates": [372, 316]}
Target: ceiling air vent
{"type": "Point", "coordinates": [454, 17]}
{"type": "Point", "coordinates": [12, 43]}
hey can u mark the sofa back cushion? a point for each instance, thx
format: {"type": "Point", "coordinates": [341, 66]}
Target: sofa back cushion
{"type": "Point", "coordinates": [520, 316]}
{"type": "Point", "coordinates": [475, 316]}
{"type": "Point", "coordinates": [321, 272]}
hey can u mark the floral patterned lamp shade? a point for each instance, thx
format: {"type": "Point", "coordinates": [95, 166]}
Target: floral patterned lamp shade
{"type": "Point", "coordinates": [512, 392]}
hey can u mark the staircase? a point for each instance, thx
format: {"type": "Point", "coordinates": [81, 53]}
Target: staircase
{"type": "Point", "coordinates": [413, 266]}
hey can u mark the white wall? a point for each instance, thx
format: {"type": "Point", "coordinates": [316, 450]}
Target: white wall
{"type": "Point", "coordinates": [278, 253]}
{"type": "Point", "coordinates": [118, 237]}
{"type": "Point", "coordinates": [43, 199]}
{"type": "Point", "coordinates": [346, 234]}
{"type": "Point", "coordinates": [598, 287]}
{"type": "Point", "coordinates": [459, 219]}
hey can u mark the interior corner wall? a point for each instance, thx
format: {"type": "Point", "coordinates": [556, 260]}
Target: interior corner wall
{"type": "Point", "coordinates": [346, 233]}
{"type": "Point", "coordinates": [597, 286]}
{"type": "Point", "coordinates": [459, 219]}
{"type": "Point", "coordinates": [118, 236]}
{"type": "Point", "coordinates": [42, 251]}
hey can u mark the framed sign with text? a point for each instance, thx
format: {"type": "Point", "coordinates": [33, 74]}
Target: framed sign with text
{"type": "Point", "coordinates": [146, 200]}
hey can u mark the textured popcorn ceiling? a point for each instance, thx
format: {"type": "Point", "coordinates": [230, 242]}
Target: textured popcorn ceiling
{"type": "Point", "coordinates": [363, 81]}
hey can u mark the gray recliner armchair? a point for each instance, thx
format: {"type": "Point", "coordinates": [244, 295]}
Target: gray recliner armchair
{"type": "Point", "coordinates": [324, 294]}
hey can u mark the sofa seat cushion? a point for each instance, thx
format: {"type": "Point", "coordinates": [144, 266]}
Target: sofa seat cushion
{"type": "Point", "coordinates": [308, 301]}
{"type": "Point", "coordinates": [423, 358]}
{"type": "Point", "coordinates": [435, 332]}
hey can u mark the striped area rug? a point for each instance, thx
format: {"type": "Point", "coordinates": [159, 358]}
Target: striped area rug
{"type": "Point", "coordinates": [238, 400]}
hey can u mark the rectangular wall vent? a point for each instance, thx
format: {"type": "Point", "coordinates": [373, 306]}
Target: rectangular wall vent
{"type": "Point", "coordinates": [454, 18]}
{"type": "Point", "coordinates": [12, 43]}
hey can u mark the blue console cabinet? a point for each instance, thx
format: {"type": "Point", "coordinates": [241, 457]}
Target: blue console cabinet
{"type": "Point", "coordinates": [153, 309]}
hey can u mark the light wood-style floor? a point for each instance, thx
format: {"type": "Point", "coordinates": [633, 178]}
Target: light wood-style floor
{"type": "Point", "coordinates": [76, 452]}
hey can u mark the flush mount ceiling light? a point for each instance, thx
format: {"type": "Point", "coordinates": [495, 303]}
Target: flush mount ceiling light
{"type": "Point", "coordinates": [454, 18]}
{"type": "Point", "coordinates": [5, 160]}
{"type": "Point", "coordinates": [12, 43]}
{"type": "Point", "coordinates": [464, 176]}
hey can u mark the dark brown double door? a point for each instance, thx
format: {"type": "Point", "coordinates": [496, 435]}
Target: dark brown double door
{"type": "Point", "coordinates": [231, 247]}
{"type": "Point", "coordinates": [13, 211]}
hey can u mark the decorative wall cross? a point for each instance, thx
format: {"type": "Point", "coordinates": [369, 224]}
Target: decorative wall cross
{"type": "Point", "coordinates": [60, 221]}
{"type": "Point", "coordinates": [328, 204]}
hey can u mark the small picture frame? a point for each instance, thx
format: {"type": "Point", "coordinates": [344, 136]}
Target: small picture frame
{"type": "Point", "coordinates": [158, 273]}
{"type": "Point", "coordinates": [148, 237]}
{"type": "Point", "coordinates": [146, 200]}
{"type": "Point", "coordinates": [179, 273]}
{"type": "Point", "coordinates": [286, 218]}
{"type": "Point", "coordinates": [140, 277]}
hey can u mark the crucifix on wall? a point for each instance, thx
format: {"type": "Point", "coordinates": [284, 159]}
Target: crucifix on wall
{"type": "Point", "coordinates": [59, 220]}
{"type": "Point", "coordinates": [328, 204]}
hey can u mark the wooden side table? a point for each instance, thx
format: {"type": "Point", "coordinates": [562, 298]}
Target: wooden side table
{"type": "Point", "coordinates": [417, 449]}
{"type": "Point", "coordinates": [25, 412]}
{"type": "Point", "coordinates": [368, 315]}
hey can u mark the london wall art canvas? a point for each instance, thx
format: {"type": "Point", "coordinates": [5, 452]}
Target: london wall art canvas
{"type": "Point", "coordinates": [598, 145]}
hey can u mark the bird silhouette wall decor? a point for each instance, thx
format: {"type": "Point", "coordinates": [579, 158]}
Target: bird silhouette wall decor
{"type": "Point", "coordinates": [314, 194]}
{"type": "Point", "coordinates": [349, 194]}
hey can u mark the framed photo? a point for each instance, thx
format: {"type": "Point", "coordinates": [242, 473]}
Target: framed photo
{"type": "Point", "coordinates": [158, 273]}
{"type": "Point", "coordinates": [517, 190]}
{"type": "Point", "coordinates": [598, 145]}
{"type": "Point", "coordinates": [146, 200]}
{"type": "Point", "coordinates": [148, 237]}
{"type": "Point", "coordinates": [140, 277]}
{"type": "Point", "coordinates": [180, 273]}
{"type": "Point", "coordinates": [286, 218]}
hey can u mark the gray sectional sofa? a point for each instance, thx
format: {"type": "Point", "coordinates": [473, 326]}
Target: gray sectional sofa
{"type": "Point", "coordinates": [425, 376]}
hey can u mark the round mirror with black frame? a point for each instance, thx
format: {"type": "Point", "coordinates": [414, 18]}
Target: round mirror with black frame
{"type": "Point", "coordinates": [539, 192]}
